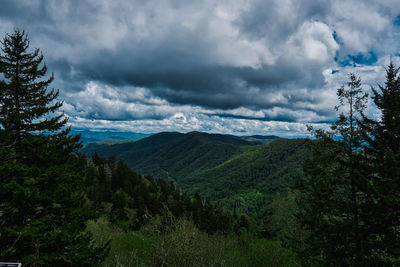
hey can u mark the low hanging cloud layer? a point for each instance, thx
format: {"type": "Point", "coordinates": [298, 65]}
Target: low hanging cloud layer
{"type": "Point", "coordinates": [244, 66]}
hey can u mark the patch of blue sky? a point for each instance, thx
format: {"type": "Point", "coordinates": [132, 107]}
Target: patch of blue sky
{"type": "Point", "coordinates": [335, 71]}
{"type": "Point", "coordinates": [396, 21]}
{"type": "Point", "coordinates": [368, 59]}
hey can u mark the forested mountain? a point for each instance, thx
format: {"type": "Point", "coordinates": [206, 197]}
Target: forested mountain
{"type": "Point", "coordinates": [147, 222]}
{"type": "Point", "coordinates": [172, 155]}
{"type": "Point", "coordinates": [252, 179]}
{"type": "Point", "coordinates": [264, 168]}
{"type": "Point", "coordinates": [131, 198]}
{"type": "Point", "coordinates": [240, 174]}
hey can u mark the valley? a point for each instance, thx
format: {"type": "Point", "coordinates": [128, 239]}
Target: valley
{"type": "Point", "coordinates": [233, 171]}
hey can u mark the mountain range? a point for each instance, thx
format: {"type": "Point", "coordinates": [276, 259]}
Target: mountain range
{"type": "Point", "coordinates": [90, 136]}
{"type": "Point", "coordinates": [245, 172]}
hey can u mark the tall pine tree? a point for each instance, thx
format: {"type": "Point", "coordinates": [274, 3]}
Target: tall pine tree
{"type": "Point", "coordinates": [383, 148]}
{"type": "Point", "coordinates": [42, 198]}
{"type": "Point", "coordinates": [332, 194]}
{"type": "Point", "coordinates": [24, 96]}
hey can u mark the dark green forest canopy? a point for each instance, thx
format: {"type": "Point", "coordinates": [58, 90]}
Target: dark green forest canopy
{"type": "Point", "coordinates": [135, 197]}
{"type": "Point", "coordinates": [219, 168]}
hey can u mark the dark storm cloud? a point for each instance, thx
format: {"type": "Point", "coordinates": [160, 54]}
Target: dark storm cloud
{"type": "Point", "coordinates": [128, 60]}
{"type": "Point", "coordinates": [278, 20]}
{"type": "Point", "coordinates": [208, 86]}
{"type": "Point", "coordinates": [21, 11]}
{"type": "Point", "coordinates": [186, 75]}
{"type": "Point", "coordinates": [179, 66]}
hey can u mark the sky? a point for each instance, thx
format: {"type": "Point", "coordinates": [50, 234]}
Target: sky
{"type": "Point", "coordinates": [238, 67]}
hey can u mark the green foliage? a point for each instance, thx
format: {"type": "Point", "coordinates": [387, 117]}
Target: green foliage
{"type": "Point", "coordinates": [180, 243]}
{"type": "Point", "coordinates": [42, 197]}
{"type": "Point", "coordinates": [126, 248]}
{"type": "Point", "coordinates": [219, 168]}
{"type": "Point", "coordinates": [282, 224]}
{"type": "Point", "coordinates": [348, 199]}
{"type": "Point", "coordinates": [135, 198]}
{"type": "Point", "coordinates": [262, 252]}
{"type": "Point", "coordinates": [24, 98]}
{"type": "Point", "coordinates": [332, 198]}
{"type": "Point", "coordinates": [383, 149]}
{"type": "Point", "coordinates": [172, 155]}
{"type": "Point", "coordinates": [162, 226]}
{"type": "Point", "coordinates": [43, 210]}
{"type": "Point", "coordinates": [267, 168]}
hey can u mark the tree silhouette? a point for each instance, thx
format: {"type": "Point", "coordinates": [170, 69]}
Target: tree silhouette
{"type": "Point", "coordinates": [333, 192]}
{"type": "Point", "coordinates": [42, 195]}
{"type": "Point", "coordinates": [24, 95]}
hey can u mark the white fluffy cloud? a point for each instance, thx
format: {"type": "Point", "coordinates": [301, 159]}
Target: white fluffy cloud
{"type": "Point", "coordinates": [313, 42]}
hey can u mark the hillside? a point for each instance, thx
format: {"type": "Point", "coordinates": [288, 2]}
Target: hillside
{"type": "Point", "coordinates": [150, 216]}
{"type": "Point", "coordinates": [238, 173]}
{"type": "Point", "coordinates": [258, 168]}
{"type": "Point", "coordinates": [172, 155]}
{"type": "Point", "coordinates": [252, 180]}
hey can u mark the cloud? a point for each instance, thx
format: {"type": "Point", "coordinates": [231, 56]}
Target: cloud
{"type": "Point", "coordinates": [243, 61]}
{"type": "Point", "coordinates": [105, 102]}
{"type": "Point", "coordinates": [198, 122]}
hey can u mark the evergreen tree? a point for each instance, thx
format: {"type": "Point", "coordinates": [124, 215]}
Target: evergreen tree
{"type": "Point", "coordinates": [383, 148]}
{"type": "Point", "coordinates": [24, 96]}
{"type": "Point", "coordinates": [332, 196]}
{"type": "Point", "coordinates": [42, 198]}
